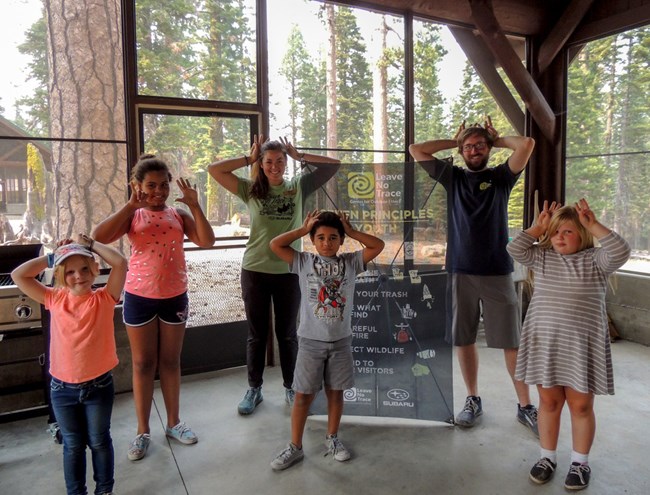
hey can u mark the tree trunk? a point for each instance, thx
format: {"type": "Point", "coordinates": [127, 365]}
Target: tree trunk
{"type": "Point", "coordinates": [332, 132]}
{"type": "Point", "coordinates": [381, 128]}
{"type": "Point", "coordinates": [86, 102]}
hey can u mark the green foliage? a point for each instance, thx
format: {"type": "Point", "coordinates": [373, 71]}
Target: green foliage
{"type": "Point", "coordinates": [608, 124]}
{"type": "Point", "coordinates": [33, 111]}
{"type": "Point", "coordinates": [36, 174]}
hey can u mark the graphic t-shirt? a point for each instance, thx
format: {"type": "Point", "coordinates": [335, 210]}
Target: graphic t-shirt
{"type": "Point", "coordinates": [281, 211]}
{"type": "Point", "coordinates": [327, 288]}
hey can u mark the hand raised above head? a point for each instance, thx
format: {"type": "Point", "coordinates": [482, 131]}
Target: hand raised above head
{"type": "Point", "coordinates": [190, 196]}
{"type": "Point", "coordinates": [490, 128]}
{"type": "Point", "coordinates": [461, 128]}
{"type": "Point", "coordinates": [345, 220]}
{"type": "Point", "coordinates": [290, 149]}
{"type": "Point", "coordinates": [63, 242]}
{"type": "Point", "coordinates": [545, 215]}
{"type": "Point", "coordinates": [585, 215]}
{"type": "Point", "coordinates": [138, 198]}
{"type": "Point", "coordinates": [310, 220]}
{"type": "Point", "coordinates": [254, 152]}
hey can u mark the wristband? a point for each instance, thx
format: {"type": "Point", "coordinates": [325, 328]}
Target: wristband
{"type": "Point", "coordinates": [50, 260]}
{"type": "Point", "coordinates": [247, 160]}
{"type": "Point", "coordinates": [92, 243]}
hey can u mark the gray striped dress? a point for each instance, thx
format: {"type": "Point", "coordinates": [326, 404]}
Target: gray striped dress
{"type": "Point", "coordinates": [564, 339]}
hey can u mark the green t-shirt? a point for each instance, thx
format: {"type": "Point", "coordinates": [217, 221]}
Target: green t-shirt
{"type": "Point", "coordinates": [281, 211]}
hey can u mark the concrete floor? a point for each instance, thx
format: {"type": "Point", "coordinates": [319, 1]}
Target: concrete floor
{"type": "Point", "coordinates": [389, 456]}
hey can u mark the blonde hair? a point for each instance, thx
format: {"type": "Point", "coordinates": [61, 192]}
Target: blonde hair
{"type": "Point", "coordinates": [59, 271]}
{"type": "Point", "coordinates": [566, 214]}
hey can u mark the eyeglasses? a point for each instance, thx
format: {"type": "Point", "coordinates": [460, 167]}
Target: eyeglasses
{"type": "Point", "coordinates": [478, 146]}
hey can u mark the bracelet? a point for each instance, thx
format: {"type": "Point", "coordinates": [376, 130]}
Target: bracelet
{"type": "Point", "coordinates": [247, 158]}
{"type": "Point", "coordinates": [92, 243]}
{"type": "Point", "coordinates": [50, 260]}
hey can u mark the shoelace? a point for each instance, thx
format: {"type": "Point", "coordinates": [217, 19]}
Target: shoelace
{"type": "Point", "coordinates": [579, 470]}
{"type": "Point", "coordinates": [286, 453]}
{"type": "Point", "coordinates": [334, 446]}
{"type": "Point", "coordinates": [139, 442]}
{"type": "Point", "coordinates": [546, 463]}
{"type": "Point", "coordinates": [181, 428]}
{"type": "Point", "coordinates": [471, 405]}
{"type": "Point", "coordinates": [531, 412]}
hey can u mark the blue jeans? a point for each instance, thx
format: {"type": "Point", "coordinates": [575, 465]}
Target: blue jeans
{"type": "Point", "coordinates": [83, 411]}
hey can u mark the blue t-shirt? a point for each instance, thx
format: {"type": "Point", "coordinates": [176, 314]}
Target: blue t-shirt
{"type": "Point", "coordinates": [327, 288]}
{"type": "Point", "coordinates": [477, 204]}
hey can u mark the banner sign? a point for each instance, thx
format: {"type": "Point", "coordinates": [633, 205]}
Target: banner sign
{"type": "Point", "coordinates": [402, 364]}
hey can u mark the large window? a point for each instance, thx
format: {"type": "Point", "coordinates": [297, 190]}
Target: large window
{"type": "Point", "coordinates": [62, 118]}
{"type": "Point", "coordinates": [197, 49]}
{"type": "Point", "coordinates": [608, 157]}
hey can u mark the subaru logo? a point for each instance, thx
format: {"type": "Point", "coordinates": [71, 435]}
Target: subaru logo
{"type": "Point", "coordinates": [397, 394]}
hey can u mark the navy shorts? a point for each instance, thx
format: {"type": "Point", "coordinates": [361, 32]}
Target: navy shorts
{"type": "Point", "coordinates": [138, 311]}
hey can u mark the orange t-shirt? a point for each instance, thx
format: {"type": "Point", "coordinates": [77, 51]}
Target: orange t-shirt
{"type": "Point", "coordinates": [82, 334]}
{"type": "Point", "coordinates": [157, 267]}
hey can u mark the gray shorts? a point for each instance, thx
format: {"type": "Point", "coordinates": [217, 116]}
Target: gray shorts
{"type": "Point", "coordinates": [466, 294]}
{"type": "Point", "coordinates": [318, 362]}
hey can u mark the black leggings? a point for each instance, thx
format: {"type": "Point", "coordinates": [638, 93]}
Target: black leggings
{"type": "Point", "coordinates": [258, 291]}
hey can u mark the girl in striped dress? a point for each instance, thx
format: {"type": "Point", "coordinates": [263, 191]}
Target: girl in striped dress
{"type": "Point", "coordinates": [564, 347]}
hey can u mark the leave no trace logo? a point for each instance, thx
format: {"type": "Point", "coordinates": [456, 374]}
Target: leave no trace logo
{"type": "Point", "coordinates": [361, 185]}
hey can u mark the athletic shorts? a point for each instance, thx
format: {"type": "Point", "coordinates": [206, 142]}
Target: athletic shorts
{"type": "Point", "coordinates": [328, 362]}
{"type": "Point", "coordinates": [138, 311]}
{"type": "Point", "coordinates": [496, 296]}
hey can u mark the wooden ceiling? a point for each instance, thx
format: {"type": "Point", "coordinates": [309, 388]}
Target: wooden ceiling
{"type": "Point", "coordinates": [484, 29]}
{"type": "Point", "coordinates": [529, 17]}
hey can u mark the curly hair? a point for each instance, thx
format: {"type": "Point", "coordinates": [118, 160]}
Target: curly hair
{"type": "Point", "coordinates": [474, 131]}
{"type": "Point", "coordinates": [328, 219]}
{"type": "Point", "coordinates": [149, 163]}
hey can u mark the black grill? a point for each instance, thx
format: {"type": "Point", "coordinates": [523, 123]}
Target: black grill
{"type": "Point", "coordinates": [6, 280]}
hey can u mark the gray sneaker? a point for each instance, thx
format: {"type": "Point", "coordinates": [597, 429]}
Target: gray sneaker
{"type": "Point", "coordinates": [472, 410]}
{"type": "Point", "coordinates": [250, 401]}
{"type": "Point", "coordinates": [336, 448]}
{"type": "Point", "coordinates": [287, 458]}
{"type": "Point", "coordinates": [138, 447]}
{"type": "Point", "coordinates": [527, 416]}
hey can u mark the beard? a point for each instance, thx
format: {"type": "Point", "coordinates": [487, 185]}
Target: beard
{"type": "Point", "coordinates": [476, 166]}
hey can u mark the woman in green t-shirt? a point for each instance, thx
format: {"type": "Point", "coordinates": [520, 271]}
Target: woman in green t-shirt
{"type": "Point", "coordinates": [276, 206]}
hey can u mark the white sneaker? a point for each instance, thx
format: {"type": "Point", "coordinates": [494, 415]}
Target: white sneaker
{"type": "Point", "coordinates": [287, 458]}
{"type": "Point", "coordinates": [336, 448]}
{"type": "Point", "coordinates": [138, 447]}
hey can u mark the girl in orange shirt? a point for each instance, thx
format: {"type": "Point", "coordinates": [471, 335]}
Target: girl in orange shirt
{"type": "Point", "coordinates": [82, 352]}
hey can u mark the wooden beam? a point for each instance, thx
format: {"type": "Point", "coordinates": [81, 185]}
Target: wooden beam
{"type": "Point", "coordinates": [486, 22]}
{"type": "Point", "coordinates": [561, 32]}
{"type": "Point", "coordinates": [483, 61]}
{"type": "Point", "coordinates": [613, 24]}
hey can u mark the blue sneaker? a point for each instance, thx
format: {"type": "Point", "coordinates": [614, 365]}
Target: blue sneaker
{"type": "Point", "coordinates": [527, 416]}
{"type": "Point", "coordinates": [250, 401]}
{"type": "Point", "coordinates": [182, 433]}
{"type": "Point", "coordinates": [289, 397]}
